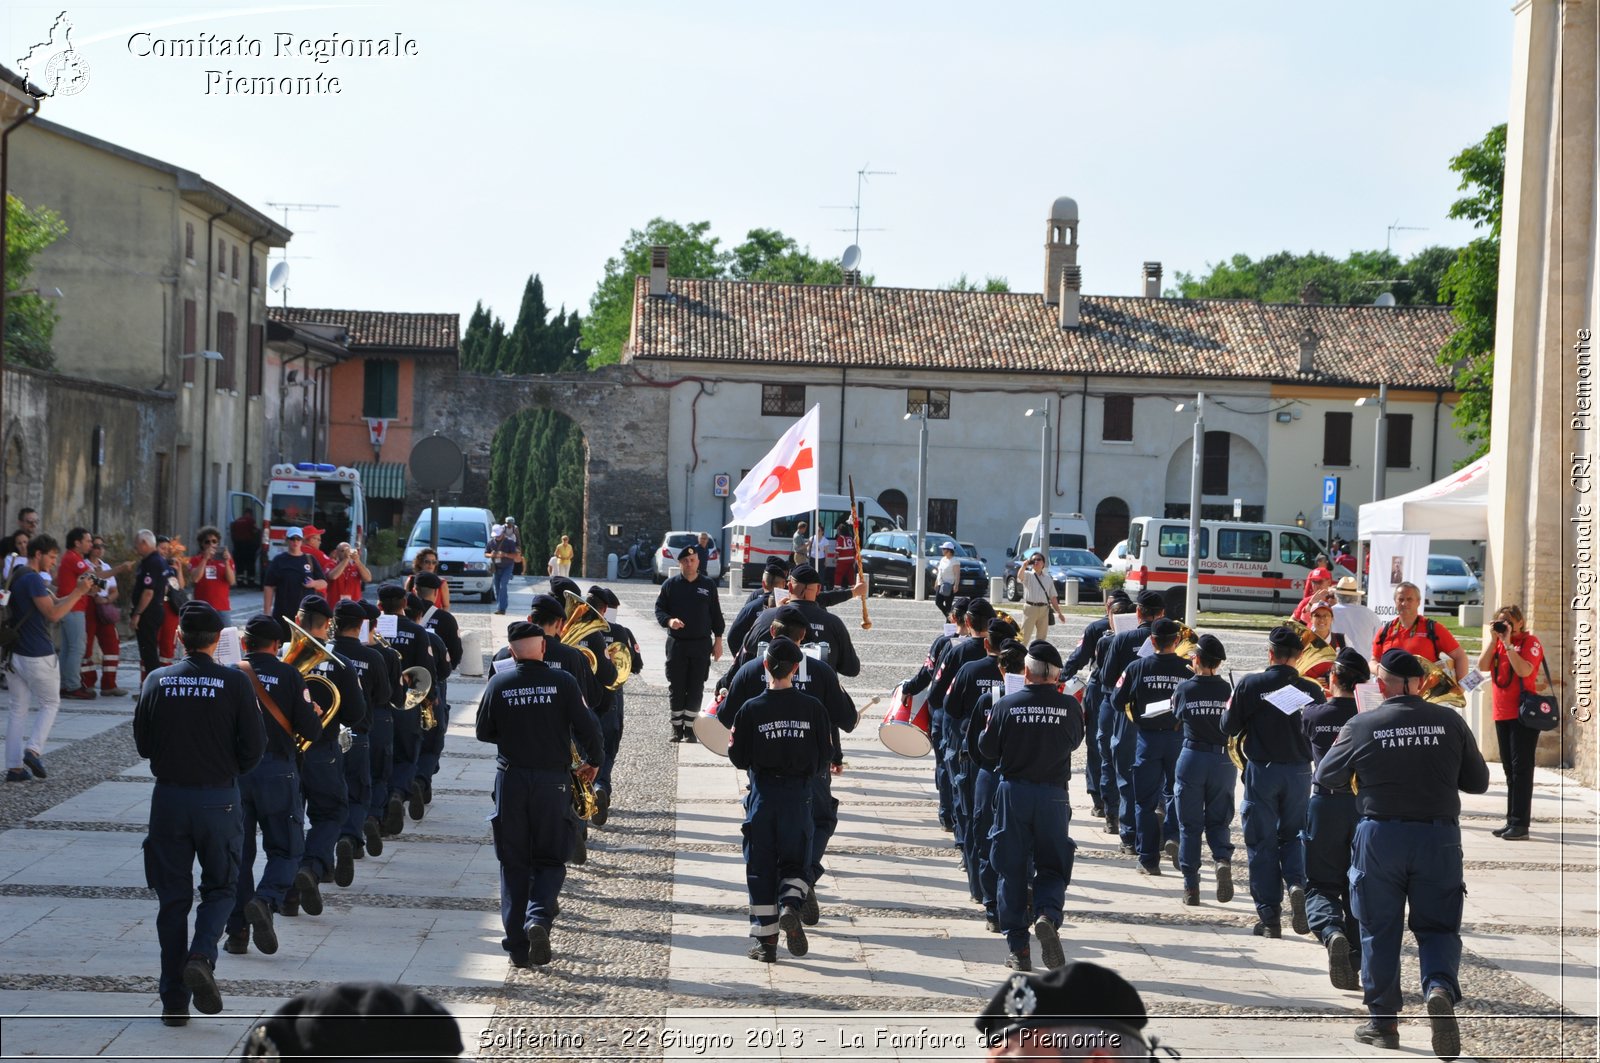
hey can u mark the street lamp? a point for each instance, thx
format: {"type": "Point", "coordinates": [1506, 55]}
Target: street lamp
{"type": "Point", "coordinates": [1192, 607]}
{"type": "Point", "coordinates": [1300, 519]}
{"type": "Point", "coordinates": [918, 575]}
{"type": "Point", "coordinates": [1041, 536]}
{"type": "Point", "coordinates": [205, 422]}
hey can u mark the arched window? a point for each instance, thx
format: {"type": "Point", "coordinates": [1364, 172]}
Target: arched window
{"type": "Point", "coordinates": [896, 505]}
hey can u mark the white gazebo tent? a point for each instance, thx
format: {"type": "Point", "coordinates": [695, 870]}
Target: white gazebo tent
{"type": "Point", "coordinates": [1456, 507]}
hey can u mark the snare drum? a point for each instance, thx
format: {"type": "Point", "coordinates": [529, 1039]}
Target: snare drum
{"type": "Point", "coordinates": [907, 727]}
{"type": "Point", "coordinates": [712, 732]}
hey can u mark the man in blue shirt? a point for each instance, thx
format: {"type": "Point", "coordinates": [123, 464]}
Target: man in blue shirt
{"type": "Point", "coordinates": [290, 577]}
{"type": "Point", "coordinates": [33, 656]}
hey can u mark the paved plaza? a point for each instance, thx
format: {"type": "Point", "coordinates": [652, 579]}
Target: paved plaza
{"type": "Point", "coordinates": [651, 938]}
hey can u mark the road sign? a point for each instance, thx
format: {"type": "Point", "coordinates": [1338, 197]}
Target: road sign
{"type": "Point", "coordinates": [1330, 498]}
{"type": "Point", "coordinates": [721, 485]}
{"type": "Point", "coordinates": [1238, 508]}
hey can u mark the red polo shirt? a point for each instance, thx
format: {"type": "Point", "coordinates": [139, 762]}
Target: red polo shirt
{"type": "Point", "coordinates": [71, 569]}
{"type": "Point", "coordinates": [210, 585]}
{"type": "Point", "coordinates": [1414, 639]}
{"type": "Point", "coordinates": [1508, 686]}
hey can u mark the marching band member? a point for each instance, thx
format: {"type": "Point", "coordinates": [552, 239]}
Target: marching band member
{"type": "Point", "coordinates": [532, 714]}
{"type": "Point", "coordinates": [604, 602]}
{"type": "Point", "coordinates": [1205, 777]}
{"type": "Point", "coordinates": [1144, 695]}
{"type": "Point", "coordinates": [372, 672]}
{"type": "Point", "coordinates": [380, 734]}
{"type": "Point", "coordinates": [1011, 659]}
{"type": "Point", "coordinates": [412, 642]}
{"type": "Point", "coordinates": [1123, 651]}
{"type": "Point", "coordinates": [439, 620]}
{"type": "Point", "coordinates": [922, 681]}
{"type": "Point", "coordinates": [972, 680]}
{"type": "Point", "coordinates": [960, 651]}
{"type": "Point", "coordinates": [1331, 824]}
{"type": "Point", "coordinates": [783, 739]}
{"type": "Point", "coordinates": [1092, 697]}
{"type": "Point", "coordinates": [421, 786]}
{"type": "Point", "coordinates": [688, 607]}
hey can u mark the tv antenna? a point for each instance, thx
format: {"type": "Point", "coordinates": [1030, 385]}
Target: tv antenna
{"type": "Point", "coordinates": [861, 179]}
{"type": "Point", "coordinates": [1397, 227]}
{"type": "Point", "coordinates": [292, 208]}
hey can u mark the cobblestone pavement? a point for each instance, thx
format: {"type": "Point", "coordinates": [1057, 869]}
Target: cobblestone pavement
{"type": "Point", "coordinates": [651, 936]}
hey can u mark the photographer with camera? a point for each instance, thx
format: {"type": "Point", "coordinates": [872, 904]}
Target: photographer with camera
{"type": "Point", "coordinates": [1512, 660]}
{"type": "Point", "coordinates": [212, 571]}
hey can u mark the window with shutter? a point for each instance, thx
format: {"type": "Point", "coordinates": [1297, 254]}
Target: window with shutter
{"type": "Point", "coordinates": [226, 372]}
{"type": "Point", "coordinates": [1398, 443]}
{"type": "Point", "coordinates": [1336, 438]}
{"type": "Point", "coordinates": [191, 341]}
{"type": "Point", "coordinates": [1117, 422]}
{"type": "Point", "coordinates": [381, 388]}
{"type": "Point", "coordinates": [1214, 469]}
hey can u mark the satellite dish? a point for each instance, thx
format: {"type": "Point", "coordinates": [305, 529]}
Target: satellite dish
{"type": "Point", "coordinates": [1386, 299]}
{"type": "Point", "coordinates": [851, 259]}
{"type": "Point", "coordinates": [278, 277]}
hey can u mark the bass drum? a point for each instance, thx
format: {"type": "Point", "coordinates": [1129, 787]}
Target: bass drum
{"type": "Point", "coordinates": [907, 728]}
{"type": "Point", "coordinates": [709, 730]}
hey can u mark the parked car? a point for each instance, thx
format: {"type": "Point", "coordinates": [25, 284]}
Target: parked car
{"type": "Point", "coordinates": [1119, 560]}
{"type": "Point", "coordinates": [674, 541]}
{"type": "Point", "coordinates": [972, 551]}
{"type": "Point", "coordinates": [887, 561]}
{"type": "Point", "coordinates": [1450, 583]}
{"type": "Point", "coordinates": [1064, 564]}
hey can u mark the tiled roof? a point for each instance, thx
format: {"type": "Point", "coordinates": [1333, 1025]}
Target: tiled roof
{"type": "Point", "coordinates": [420, 333]}
{"type": "Point", "coordinates": [908, 328]}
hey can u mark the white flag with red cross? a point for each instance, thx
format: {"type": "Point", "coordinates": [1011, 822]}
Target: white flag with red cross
{"type": "Point", "coordinates": [784, 482]}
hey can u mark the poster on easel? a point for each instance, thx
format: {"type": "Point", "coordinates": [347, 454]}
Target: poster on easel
{"type": "Point", "coordinates": [1396, 558]}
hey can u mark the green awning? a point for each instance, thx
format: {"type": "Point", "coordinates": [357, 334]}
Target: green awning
{"type": "Point", "coordinates": [382, 479]}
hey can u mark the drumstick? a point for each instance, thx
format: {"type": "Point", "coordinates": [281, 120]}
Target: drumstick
{"type": "Point", "coordinates": [855, 529]}
{"type": "Point", "coordinates": [861, 713]}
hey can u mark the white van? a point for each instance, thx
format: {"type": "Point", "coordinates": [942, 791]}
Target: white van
{"type": "Point", "coordinates": [751, 545]}
{"type": "Point", "coordinates": [1066, 529]}
{"type": "Point", "coordinates": [463, 548]}
{"type": "Point", "coordinates": [1244, 568]}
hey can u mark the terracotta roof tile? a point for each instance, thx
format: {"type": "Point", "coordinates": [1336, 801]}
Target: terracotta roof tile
{"type": "Point", "coordinates": [422, 333]}
{"type": "Point", "coordinates": [895, 328]}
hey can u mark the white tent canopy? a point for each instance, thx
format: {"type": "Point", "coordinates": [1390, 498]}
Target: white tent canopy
{"type": "Point", "coordinates": [1456, 507]}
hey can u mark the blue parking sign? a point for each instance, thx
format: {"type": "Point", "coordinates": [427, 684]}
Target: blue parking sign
{"type": "Point", "coordinates": [1330, 490]}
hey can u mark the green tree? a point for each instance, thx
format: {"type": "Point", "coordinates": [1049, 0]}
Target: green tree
{"type": "Point", "coordinates": [30, 319]}
{"type": "Point", "coordinates": [769, 256]}
{"type": "Point", "coordinates": [523, 350]}
{"type": "Point", "coordinates": [1283, 277]}
{"type": "Point", "coordinates": [475, 340]}
{"type": "Point", "coordinates": [1471, 284]}
{"type": "Point", "coordinates": [990, 283]}
{"type": "Point", "coordinates": [690, 253]}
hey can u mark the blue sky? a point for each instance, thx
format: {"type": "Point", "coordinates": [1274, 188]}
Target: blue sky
{"type": "Point", "coordinates": [532, 137]}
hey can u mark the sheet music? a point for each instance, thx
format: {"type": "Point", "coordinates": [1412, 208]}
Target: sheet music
{"type": "Point", "coordinates": [1015, 682]}
{"type": "Point", "coordinates": [1287, 699]}
{"type": "Point", "coordinates": [1147, 648]}
{"type": "Point", "coordinates": [1158, 708]}
{"type": "Point", "coordinates": [228, 652]}
{"type": "Point", "coordinates": [365, 634]}
{"type": "Point", "coordinates": [504, 664]}
{"type": "Point", "coordinates": [1368, 697]}
{"type": "Point", "coordinates": [389, 625]}
{"type": "Point", "coordinates": [951, 629]}
{"type": "Point", "coordinates": [1121, 622]}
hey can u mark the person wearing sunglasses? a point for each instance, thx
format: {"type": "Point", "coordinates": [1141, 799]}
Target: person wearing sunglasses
{"type": "Point", "coordinates": [212, 571]}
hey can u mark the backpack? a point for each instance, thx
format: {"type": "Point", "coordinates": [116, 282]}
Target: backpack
{"type": "Point", "coordinates": [1428, 628]}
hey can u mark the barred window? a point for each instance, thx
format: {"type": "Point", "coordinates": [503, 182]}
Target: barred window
{"type": "Point", "coordinates": [783, 400]}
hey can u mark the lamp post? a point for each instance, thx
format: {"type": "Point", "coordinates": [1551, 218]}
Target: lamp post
{"type": "Point", "coordinates": [919, 589]}
{"type": "Point", "coordinates": [205, 422]}
{"type": "Point", "coordinates": [1041, 537]}
{"type": "Point", "coordinates": [1380, 462]}
{"type": "Point", "coordinates": [1192, 576]}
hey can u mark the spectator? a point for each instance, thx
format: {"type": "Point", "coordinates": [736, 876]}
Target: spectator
{"type": "Point", "coordinates": [101, 624]}
{"type": "Point", "coordinates": [946, 579]}
{"type": "Point", "coordinates": [246, 536]}
{"type": "Point", "coordinates": [563, 554]}
{"type": "Point", "coordinates": [428, 561]}
{"type": "Point", "coordinates": [149, 600]}
{"type": "Point", "coordinates": [707, 551]}
{"type": "Point", "coordinates": [1417, 634]}
{"type": "Point", "coordinates": [1319, 588]}
{"type": "Point", "coordinates": [819, 554]}
{"type": "Point", "coordinates": [177, 569]}
{"type": "Point", "coordinates": [290, 577]}
{"type": "Point", "coordinates": [16, 553]}
{"type": "Point", "coordinates": [1343, 557]}
{"type": "Point", "coordinates": [212, 571]}
{"type": "Point", "coordinates": [1512, 659]}
{"type": "Point", "coordinates": [74, 630]}
{"type": "Point", "coordinates": [1354, 625]}
{"type": "Point", "coordinates": [505, 553]}
{"type": "Point", "coordinates": [844, 542]}
{"type": "Point", "coordinates": [353, 578]}
{"type": "Point", "coordinates": [801, 543]}
{"type": "Point", "coordinates": [333, 568]}
{"type": "Point", "coordinates": [27, 521]}
{"type": "Point", "coordinates": [33, 656]}
{"type": "Point", "coordinates": [1039, 598]}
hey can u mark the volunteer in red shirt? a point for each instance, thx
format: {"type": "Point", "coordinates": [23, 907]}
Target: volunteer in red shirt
{"type": "Point", "coordinates": [844, 568]}
{"type": "Point", "coordinates": [1319, 588]}
{"type": "Point", "coordinates": [1416, 634]}
{"type": "Point", "coordinates": [333, 569]}
{"type": "Point", "coordinates": [211, 571]}
{"type": "Point", "coordinates": [1512, 658]}
{"type": "Point", "coordinates": [74, 625]}
{"type": "Point", "coordinates": [350, 582]}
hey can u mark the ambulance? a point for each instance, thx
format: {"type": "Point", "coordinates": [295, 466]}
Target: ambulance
{"type": "Point", "coordinates": [315, 493]}
{"type": "Point", "coordinates": [1244, 567]}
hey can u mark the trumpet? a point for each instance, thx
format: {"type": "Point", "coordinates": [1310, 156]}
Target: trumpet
{"type": "Point", "coordinates": [305, 655]}
{"type": "Point", "coordinates": [420, 694]}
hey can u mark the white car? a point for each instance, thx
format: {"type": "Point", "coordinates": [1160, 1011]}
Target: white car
{"type": "Point", "coordinates": [1118, 560]}
{"type": "Point", "coordinates": [1450, 583]}
{"type": "Point", "coordinates": [667, 555]}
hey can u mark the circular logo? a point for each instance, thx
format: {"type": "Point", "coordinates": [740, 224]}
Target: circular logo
{"type": "Point", "coordinates": [66, 73]}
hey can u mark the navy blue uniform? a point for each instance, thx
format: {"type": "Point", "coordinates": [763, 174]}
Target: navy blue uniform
{"type": "Point", "coordinates": [981, 876]}
{"type": "Point", "coordinates": [972, 680]}
{"type": "Point", "coordinates": [822, 683]}
{"type": "Point", "coordinates": [688, 647]}
{"type": "Point", "coordinates": [441, 623]}
{"type": "Point", "coordinates": [1408, 761]}
{"type": "Point", "coordinates": [1205, 777]}
{"type": "Point", "coordinates": [532, 714]}
{"type": "Point", "coordinates": [958, 651]}
{"type": "Point", "coordinates": [198, 725]}
{"type": "Point", "coordinates": [411, 642]}
{"type": "Point", "coordinates": [1120, 650]}
{"type": "Point", "coordinates": [744, 620]}
{"type": "Point", "coordinates": [783, 738]}
{"type": "Point", "coordinates": [1092, 695]}
{"type": "Point", "coordinates": [1330, 830]}
{"type": "Point", "coordinates": [1158, 740]}
{"type": "Point", "coordinates": [372, 670]}
{"type": "Point", "coordinates": [151, 575]}
{"type": "Point", "coordinates": [611, 722]}
{"type": "Point", "coordinates": [1277, 784]}
{"type": "Point", "coordinates": [269, 794]}
{"type": "Point", "coordinates": [916, 685]}
{"type": "Point", "coordinates": [322, 768]}
{"type": "Point", "coordinates": [288, 575]}
{"type": "Point", "coordinates": [1031, 736]}
{"type": "Point", "coordinates": [380, 733]}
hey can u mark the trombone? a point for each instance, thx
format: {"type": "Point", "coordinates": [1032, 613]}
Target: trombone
{"type": "Point", "coordinates": [305, 655]}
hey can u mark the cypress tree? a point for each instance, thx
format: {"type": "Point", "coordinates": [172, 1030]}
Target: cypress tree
{"type": "Point", "coordinates": [475, 340]}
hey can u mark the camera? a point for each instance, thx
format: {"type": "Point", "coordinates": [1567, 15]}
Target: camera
{"type": "Point", "coordinates": [1501, 627]}
{"type": "Point", "coordinates": [99, 584]}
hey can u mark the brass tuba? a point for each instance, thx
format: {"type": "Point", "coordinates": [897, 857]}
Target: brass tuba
{"type": "Point", "coordinates": [419, 694]}
{"type": "Point", "coordinates": [1313, 651]}
{"type": "Point", "coordinates": [1440, 686]}
{"type": "Point", "coordinates": [582, 621]}
{"type": "Point", "coordinates": [305, 655]}
{"type": "Point", "coordinates": [1188, 642]}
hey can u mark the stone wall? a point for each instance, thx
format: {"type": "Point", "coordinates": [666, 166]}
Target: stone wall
{"type": "Point", "coordinates": [622, 414]}
{"type": "Point", "coordinates": [48, 424]}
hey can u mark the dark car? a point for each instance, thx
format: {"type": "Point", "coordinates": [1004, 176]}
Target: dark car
{"type": "Point", "coordinates": [887, 561]}
{"type": "Point", "coordinates": [1065, 563]}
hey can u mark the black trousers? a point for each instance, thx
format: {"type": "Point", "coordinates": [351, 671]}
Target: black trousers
{"type": "Point", "coordinates": [688, 665]}
{"type": "Point", "coordinates": [148, 633]}
{"type": "Point", "coordinates": [1517, 744]}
